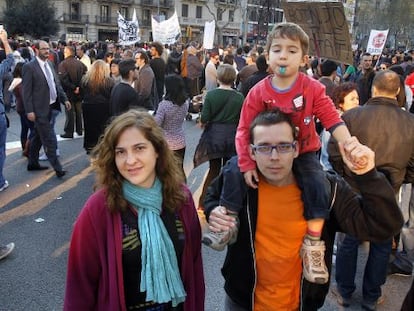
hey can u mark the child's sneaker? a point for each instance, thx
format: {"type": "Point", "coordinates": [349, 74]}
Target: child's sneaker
{"type": "Point", "coordinates": [217, 240]}
{"type": "Point", "coordinates": [313, 258]}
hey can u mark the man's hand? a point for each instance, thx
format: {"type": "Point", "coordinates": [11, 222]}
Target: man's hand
{"type": "Point", "coordinates": [3, 35]}
{"type": "Point", "coordinates": [357, 162]}
{"type": "Point", "coordinates": [31, 116]}
{"type": "Point", "coordinates": [352, 152]}
{"type": "Point", "coordinates": [76, 90]}
{"type": "Point", "coordinates": [251, 178]}
{"type": "Point", "coordinates": [68, 105]}
{"type": "Point", "coordinates": [219, 220]}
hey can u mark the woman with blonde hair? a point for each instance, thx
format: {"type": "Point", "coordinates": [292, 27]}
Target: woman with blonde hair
{"type": "Point", "coordinates": [136, 244]}
{"type": "Point", "coordinates": [96, 90]}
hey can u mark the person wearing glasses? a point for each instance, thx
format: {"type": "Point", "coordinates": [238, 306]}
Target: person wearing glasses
{"type": "Point", "coordinates": [304, 99]}
{"type": "Point", "coordinates": [211, 71]}
{"type": "Point", "coordinates": [263, 268]}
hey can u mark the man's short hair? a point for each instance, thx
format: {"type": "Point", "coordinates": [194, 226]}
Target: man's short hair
{"type": "Point", "coordinates": [125, 66]}
{"type": "Point", "coordinates": [261, 63]}
{"type": "Point", "coordinates": [387, 82]}
{"type": "Point", "coordinates": [158, 47]}
{"type": "Point", "coordinates": [291, 31]}
{"type": "Point", "coordinates": [70, 49]}
{"type": "Point", "coordinates": [328, 67]}
{"type": "Point", "coordinates": [272, 117]}
{"type": "Point", "coordinates": [143, 55]}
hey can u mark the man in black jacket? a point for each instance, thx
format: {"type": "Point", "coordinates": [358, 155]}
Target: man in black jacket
{"type": "Point", "coordinates": [71, 72]}
{"type": "Point", "coordinates": [388, 130]}
{"type": "Point", "coordinates": [263, 268]}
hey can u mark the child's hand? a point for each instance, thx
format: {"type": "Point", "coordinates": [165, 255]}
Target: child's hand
{"type": "Point", "coordinates": [359, 161]}
{"type": "Point", "coordinates": [251, 178]}
{"type": "Point", "coordinates": [354, 153]}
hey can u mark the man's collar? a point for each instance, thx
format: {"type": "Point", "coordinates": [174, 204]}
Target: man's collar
{"type": "Point", "coordinates": [41, 62]}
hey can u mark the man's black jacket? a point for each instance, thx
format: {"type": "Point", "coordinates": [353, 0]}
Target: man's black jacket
{"type": "Point", "coordinates": [371, 215]}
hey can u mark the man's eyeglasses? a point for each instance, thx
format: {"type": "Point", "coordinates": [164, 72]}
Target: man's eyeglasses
{"type": "Point", "coordinates": [280, 148]}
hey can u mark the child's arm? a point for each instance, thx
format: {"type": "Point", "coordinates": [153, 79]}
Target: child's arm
{"type": "Point", "coordinates": [342, 135]}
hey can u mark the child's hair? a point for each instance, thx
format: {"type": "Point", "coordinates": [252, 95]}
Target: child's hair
{"type": "Point", "coordinates": [291, 31]}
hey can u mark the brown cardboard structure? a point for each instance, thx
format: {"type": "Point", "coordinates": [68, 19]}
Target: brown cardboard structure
{"type": "Point", "coordinates": [326, 25]}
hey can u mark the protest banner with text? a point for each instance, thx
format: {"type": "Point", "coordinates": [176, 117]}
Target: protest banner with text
{"type": "Point", "coordinates": [326, 25]}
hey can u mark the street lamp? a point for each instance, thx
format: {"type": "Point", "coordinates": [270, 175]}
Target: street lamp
{"type": "Point", "coordinates": [86, 30]}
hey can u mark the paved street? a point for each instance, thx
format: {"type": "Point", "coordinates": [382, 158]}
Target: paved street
{"type": "Point", "coordinates": [37, 213]}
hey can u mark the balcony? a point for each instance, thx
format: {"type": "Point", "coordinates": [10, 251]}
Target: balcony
{"type": "Point", "coordinates": [106, 20]}
{"type": "Point", "coordinates": [227, 3]}
{"type": "Point", "coordinates": [234, 25]}
{"type": "Point", "coordinates": [192, 21]}
{"type": "Point", "coordinates": [75, 18]}
{"type": "Point", "coordinates": [118, 1]}
{"type": "Point", "coordinates": [158, 3]}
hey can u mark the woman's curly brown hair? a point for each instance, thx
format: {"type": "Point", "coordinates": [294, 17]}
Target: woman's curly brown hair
{"type": "Point", "coordinates": [167, 167]}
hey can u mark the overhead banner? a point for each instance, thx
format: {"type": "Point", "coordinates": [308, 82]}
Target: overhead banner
{"type": "Point", "coordinates": [326, 25]}
{"type": "Point", "coordinates": [209, 32]}
{"type": "Point", "coordinates": [128, 31]}
{"type": "Point", "coordinates": [166, 32]}
{"type": "Point", "coordinates": [376, 41]}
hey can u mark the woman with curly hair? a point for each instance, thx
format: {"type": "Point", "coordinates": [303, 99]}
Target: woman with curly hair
{"type": "Point", "coordinates": [136, 244]}
{"type": "Point", "coordinates": [345, 97]}
{"type": "Point", "coordinates": [96, 87]}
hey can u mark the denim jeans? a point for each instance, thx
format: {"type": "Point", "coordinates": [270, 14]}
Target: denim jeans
{"type": "Point", "coordinates": [375, 269]}
{"type": "Point", "coordinates": [313, 183]}
{"type": "Point", "coordinates": [3, 134]}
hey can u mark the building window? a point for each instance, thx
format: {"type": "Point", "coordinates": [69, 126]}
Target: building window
{"type": "Point", "coordinates": [124, 12]}
{"type": "Point", "coordinates": [219, 14]}
{"type": "Point", "coordinates": [146, 17]}
{"type": "Point", "coordinates": [75, 11]}
{"type": "Point", "coordinates": [231, 16]}
{"type": "Point", "coordinates": [199, 11]}
{"type": "Point", "coordinates": [105, 13]}
{"type": "Point", "coordinates": [184, 10]}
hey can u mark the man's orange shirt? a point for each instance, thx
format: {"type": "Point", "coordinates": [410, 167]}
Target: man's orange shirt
{"type": "Point", "coordinates": [279, 235]}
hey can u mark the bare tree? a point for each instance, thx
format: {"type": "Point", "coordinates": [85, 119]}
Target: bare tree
{"type": "Point", "coordinates": [217, 12]}
{"type": "Point", "coordinates": [398, 17]}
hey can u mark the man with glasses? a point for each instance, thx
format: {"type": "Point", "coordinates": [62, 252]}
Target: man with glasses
{"type": "Point", "coordinates": [145, 84]}
{"type": "Point", "coordinates": [42, 96]}
{"type": "Point", "coordinates": [211, 71]}
{"type": "Point", "coordinates": [263, 268]}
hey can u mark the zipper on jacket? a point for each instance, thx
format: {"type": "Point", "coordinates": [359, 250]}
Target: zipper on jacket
{"type": "Point", "coordinates": [249, 220]}
{"type": "Point", "coordinates": [333, 196]}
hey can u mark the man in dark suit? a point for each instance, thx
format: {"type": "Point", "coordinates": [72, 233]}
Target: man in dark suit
{"type": "Point", "coordinates": [41, 91]}
{"type": "Point", "coordinates": [70, 73]}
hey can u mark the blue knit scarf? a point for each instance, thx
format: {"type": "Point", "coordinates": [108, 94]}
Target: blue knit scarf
{"type": "Point", "coordinates": [160, 276]}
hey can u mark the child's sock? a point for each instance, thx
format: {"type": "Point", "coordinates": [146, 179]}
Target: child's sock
{"type": "Point", "coordinates": [313, 235]}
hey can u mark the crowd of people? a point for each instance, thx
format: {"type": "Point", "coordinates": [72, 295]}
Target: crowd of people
{"type": "Point", "coordinates": [299, 148]}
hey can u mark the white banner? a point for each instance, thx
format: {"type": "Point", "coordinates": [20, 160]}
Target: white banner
{"type": "Point", "coordinates": [128, 31]}
{"type": "Point", "coordinates": [166, 32]}
{"type": "Point", "coordinates": [376, 42]}
{"type": "Point", "coordinates": [209, 31]}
